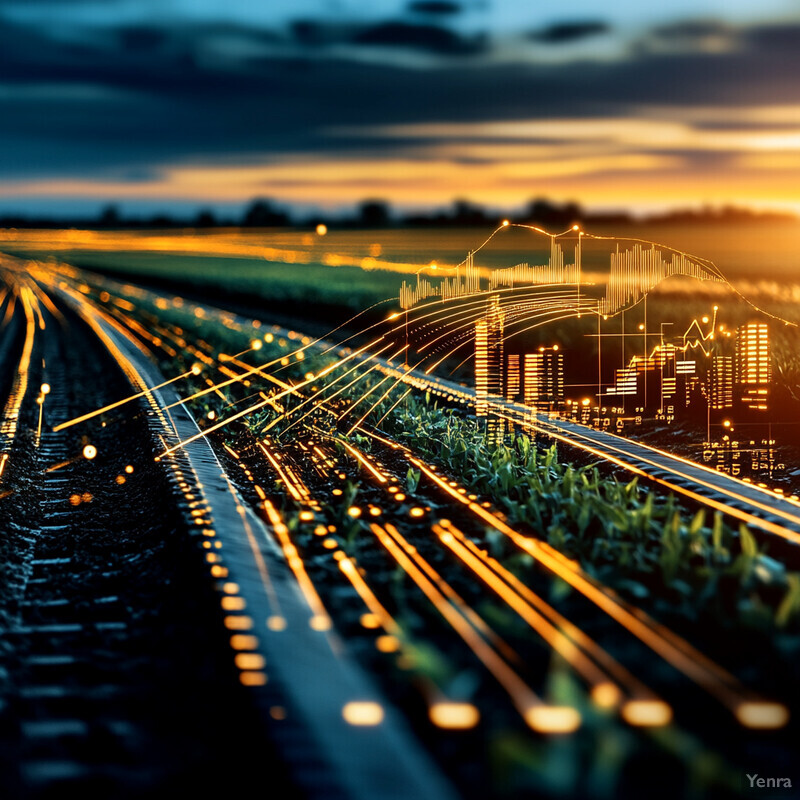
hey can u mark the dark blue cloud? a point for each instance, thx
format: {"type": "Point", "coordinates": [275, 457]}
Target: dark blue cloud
{"type": "Point", "coordinates": [123, 100]}
{"type": "Point", "coordinates": [564, 32]}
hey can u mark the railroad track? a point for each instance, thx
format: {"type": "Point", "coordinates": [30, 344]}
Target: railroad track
{"type": "Point", "coordinates": [114, 692]}
{"type": "Point", "coordinates": [105, 658]}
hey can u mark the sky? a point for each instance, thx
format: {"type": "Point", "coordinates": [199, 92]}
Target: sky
{"type": "Point", "coordinates": [175, 105]}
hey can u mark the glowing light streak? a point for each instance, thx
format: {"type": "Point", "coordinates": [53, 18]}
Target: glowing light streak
{"type": "Point", "coordinates": [524, 699]}
{"type": "Point", "coordinates": [683, 656]}
{"type": "Point", "coordinates": [363, 460]}
{"type": "Point", "coordinates": [320, 620]}
{"type": "Point", "coordinates": [316, 399]}
{"type": "Point", "coordinates": [554, 638]}
{"type": "Point", "coordinates": [62, 426]}
{"type": "Point", "coordinates": [298, 491]}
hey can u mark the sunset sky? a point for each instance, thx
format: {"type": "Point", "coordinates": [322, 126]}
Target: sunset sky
{"type": "Point", "coordinates": [175, 105]}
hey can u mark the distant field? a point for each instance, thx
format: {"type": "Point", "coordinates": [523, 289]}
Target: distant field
{"type": "Point", "coordinates": [351, 270]}
{"type": "Point", "coordinates": [301, 285]}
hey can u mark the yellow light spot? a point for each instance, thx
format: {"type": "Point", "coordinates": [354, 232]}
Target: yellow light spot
{"type": "Point", "coordinates": [553, 719]}
{"type": "Point", "coordinates": [387, 643]}
{"type": "Point", "coordinates": [354, 511]}
{"type": "Point", "coordinates": [336, 492]}
{"type": "Point", "coordinates": [505, 223]}
{"type": "Point", "coordinates": [212, 414]}
{"type": "Point", "coordinates": [243, 641]}
{"type": "Point", "coordinates": [86, 497]}
{"type": "Point", "coordinates": [230, 588]}
{"type": "Point", "coordinates": [362, 712]}
{"type": "Point", "coordinates": [399, 497]}
{"type": "Point", "coordinates": [45, 389]}
{"type": "Point", "coordinates": [322, 229]}
{"type": "Point", "coordinates": [762, 715]}
{"type": "Point", "coordinates": [606, 695]}
{"type": "Point", "coordinates": [196, 369]}
{"type": "Point", "coordinates": [306, 516]}
{"type": "Point", "coordinates": [319, 622]}
{"type": "Point", "coordinates": [454, 716]}
{"type": "Point", "coordinates": [375, 511]}
{"type": "Point", "coordinates": [330, 544]}
{"type": "Point", "coordinates": [255, 344]}
{"type": "Point", "coordinates": [252, 678]}
{"type": "Point", "coordinates": [417, 512]}
{"type": "Point", "coordinates": [233, 603]}
{"type": "Point", "coordinates": [268, 337]}
{"type": "Point", "coordinates": [249, 661]}
{"type": "Point", "coordinates": [276, 623]}
{"type": "Point", "coordinates": [74, 499]}
{"type": "Point", "coordinates": [219, 572]}
{"type": "Point", "coordinates": [89, 452]}
{"type": "Point", "coordinates": [120, 479]}
{"type": "Point", "coordinates": [646, 713]}
{"type": "Point", "coordinates": [238, 623]}
{"type": "Point", "coordinates": [370, 620]}
{"type": "Point", "coordinates": [129, 469]}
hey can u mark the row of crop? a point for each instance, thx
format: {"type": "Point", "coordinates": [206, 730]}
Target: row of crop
{"type": "Point", "coordinates": [642, 542]}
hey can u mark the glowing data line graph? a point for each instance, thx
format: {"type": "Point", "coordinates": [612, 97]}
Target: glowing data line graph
{"type": "Point", "coordinates": [633, 272]}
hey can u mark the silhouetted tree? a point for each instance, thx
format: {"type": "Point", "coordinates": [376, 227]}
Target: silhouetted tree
{"type": "Point", "coordinates": [546, 213]}
{"type": "Point", "coordinates": [205, 219]}
{"type": "Point", "coordinates": [374, 214]}
{"type": "Point", "coordinates": [109, 217]}
{"type": "Point", "coordinates": [161, 221]}
{"type": "Point", "coordinates": [467, 213]}
{"type": "Point", "coordinates": [263, 214]}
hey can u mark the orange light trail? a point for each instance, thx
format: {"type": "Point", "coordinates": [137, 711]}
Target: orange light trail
{"type": "Point", "coordinates": [642, 707]}
{"type": "Point", "coordinates": [255, 407]}
{"type": "Point", "coordinates": [296, 488]}
{"type": "Point", "coordinates": [20, 385]}
{"type": "Point", "coordinates": [122, 402]}
{"type": "Point", "coordinates": [537, 714]}
{"type": "Point", "coordinates": [380, 477]}
{"type": "Point", "coordinates": [320, 620]}
{"type": "Point", "coordinates": [711, 677]}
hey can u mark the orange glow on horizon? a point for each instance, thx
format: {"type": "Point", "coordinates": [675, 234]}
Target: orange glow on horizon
{"type": "Point", "coordinates": [607, 162]}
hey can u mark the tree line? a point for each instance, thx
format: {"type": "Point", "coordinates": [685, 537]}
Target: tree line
{"type": "Point", "coordinates": [376, 213]}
